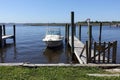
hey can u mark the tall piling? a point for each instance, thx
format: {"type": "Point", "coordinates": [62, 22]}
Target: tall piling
{"type": "Point", "coordinates": [0, 36]}
{"type": "Point", "coordinates": [72, 34]}
{"type": "Point", "coordinates": [80, 32]}
{"type": "Point", "coordinates": [4, 33]}
{"type": "Point", "coordinates": [90, 41]}
{"type": "Point", "coordinates": [100, 34]}
{"type": "Point", "coordinates": [14, 34]}
{"type": "Point", "coordinates": [68, 33]}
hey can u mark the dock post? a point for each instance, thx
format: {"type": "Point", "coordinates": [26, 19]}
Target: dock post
{"type": "Point", "coordinates": [80, 32]}
{"type": "Point", "coordinates": [4, 33]}
{"type": "Point", "coordinates": [14, 34]}
{"type": "Point", "coordinates": [72, 35]}
{"type": "Point", "coordinates": [68, 33]}
{"type": "Point", "coordinates": [100, 32]}
{"type": "Point", "coordinates": [114, 52]}
{"type": "Point", "coordinates": [0, 36]}
{"type": "Point", "coordinates": [90, 41]}
{"type": "Point", "coordinates": [87, 53]}
{"type": "Point", "coordinates": [74, 29]}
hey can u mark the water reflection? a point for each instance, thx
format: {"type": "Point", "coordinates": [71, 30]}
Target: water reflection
{"type": "Point", "coordinates": [53, 54]}
{"type": "Point", "coordinates": [5, 50]}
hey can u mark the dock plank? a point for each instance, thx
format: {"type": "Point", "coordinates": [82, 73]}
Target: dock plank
{"type": "Point", "coordinates": [7, 36]}
{"type": "Point", "coordinates": [80, 51]}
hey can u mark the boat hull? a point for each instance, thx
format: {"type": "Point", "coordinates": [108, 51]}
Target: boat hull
{"type": "Point", "coordinates": [53, 43]}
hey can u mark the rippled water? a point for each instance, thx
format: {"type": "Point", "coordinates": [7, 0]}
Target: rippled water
{"type": "Point", "coordinates": [30, 47]}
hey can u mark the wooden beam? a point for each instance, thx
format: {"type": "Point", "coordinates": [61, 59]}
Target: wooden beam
{"type": "Point", "coordinates": [4, 33]}
{"type": "Point", "coordinates": [100, 34]}
{"type": "Point", "coordinates": [0, 36]}
{"type": "Point", "coordinates": [79, 32]}
{"type": "Point", "coordinates": [14, 34]}
{"type": "Point", "coordinates": [72, 35]}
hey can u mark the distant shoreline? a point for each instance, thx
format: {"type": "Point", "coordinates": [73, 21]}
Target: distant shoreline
{"type": "Point", "coordinates": [78, 23]}
{"type": "Point", "coordinates": [63, 24]}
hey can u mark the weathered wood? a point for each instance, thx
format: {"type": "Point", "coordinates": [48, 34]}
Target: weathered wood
{"type": "Point", "coordinates": [14, 34]}
{"type": "Point", "coordinates": [100, 32]}
{"type": "Point", "coordinates": [79, 50]}
{"type": "Point", "coordinates": [94, 59]}
{"type": "Point", "coordinates": [104, 75]}
{"type": "Point", "coordinates": [99, 52]}
{"type": "Point", "coordinates": [108, 59]}
{"type": "Point", "coordinates": [61, 64]}
{"type": "Point", "coordinates": [90, 41]}
{"type": "Point", "coordinates": [104, 52]}
{"type": "Point", "coordinates": [79, 32]}
{"type": "Point", "coordinates": [0, 36]}
{"type": "Point", "coordinates": [7, 37]}
{"type": "Point", "coordinates": [87, 53]}
{"type": "Point", "coordinates": [68, 33]}
{"type": "Point", "coordinates": [72, 35]}
{"type": "Point", "coordinates": [114, 52]}
{"type": "Point", "coordinates": [74, 29]}
{"type": "Point", "coordinates": [3, 36]}
{"type": "Point", "coordinates": [4, 33]}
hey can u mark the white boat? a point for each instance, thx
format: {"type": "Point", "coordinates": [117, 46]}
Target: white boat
{"type": "Point", "coordinates": [53, 37]}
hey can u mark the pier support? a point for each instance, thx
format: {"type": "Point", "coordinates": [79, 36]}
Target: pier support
{"type": "Point", "coordinates": [66, 33]}
{"type": "Point", "coordinates": [14, 34]}
{"type": "Point", "coordinates": [4, 33]}
{"type": "Point", "coordinates": [100, 32]}
{"type": "Point", "coordinates": [90, 41]}
{"type": "Point", "coordinates": [72, 35]}
{"type": "Point", "coordinates": [0, 36]}
{"type": "Point", "coordinates": [80, 32]}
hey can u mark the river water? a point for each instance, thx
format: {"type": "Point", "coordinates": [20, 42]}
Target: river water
{"type": "Point", "coordinates": [31, 49]}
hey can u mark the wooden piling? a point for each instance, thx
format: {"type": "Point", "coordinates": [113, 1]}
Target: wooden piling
{"type": "Point", "coordinates": [14, 34]}
{"type": "Point", "coordinates": [80, 32]}
{"type": "Point", "coordinates": [74, 29]}
{"type": "Point", "coordinates": [114, 52]}
{"type": "Point", "coordinates": [0, 36]}
{"type": "Point", "coordinates": [68, 33]}
{"type": "Point", "coordinates": [99, 52]}
{"type": "Point", "coordinates": [4, 33]}
{"type": "Point", "coordinates": [94, 57]}
{"type": "Point", "coordinates": [108, 58]}
{"type": "Point", "coordinates": [103, 49]}
{"type": "Point", "coordinates": [100, 34]}
{"type": "Point", "coordinates": [90, 41]}
{"type": "Point", "coordinates": [72, 35]}
{"type": "Point", "coordinates": [87, 53]}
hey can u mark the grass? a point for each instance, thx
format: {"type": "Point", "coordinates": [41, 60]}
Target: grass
{"type": "Point", "coordinates": [51, 73]}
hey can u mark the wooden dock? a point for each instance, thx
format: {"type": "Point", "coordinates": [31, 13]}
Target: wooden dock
{"type": "Point", "coordinates": [79, 50]}
{"type": "Point", "coordinates": [7, 36]}
{"type": "Point", "coordinates": [4, 36]}
{"type": "Point", "coordinates": [86, 53]}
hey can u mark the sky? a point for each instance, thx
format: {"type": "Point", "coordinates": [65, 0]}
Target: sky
{"type": "Point", "coordinates": [58, 11]}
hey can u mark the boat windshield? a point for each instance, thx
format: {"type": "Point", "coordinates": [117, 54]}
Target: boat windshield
{"type": "Point", "coordinates": [53, 32]}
